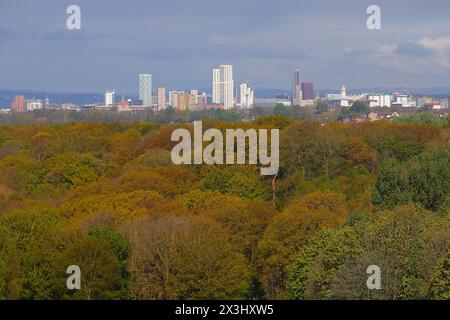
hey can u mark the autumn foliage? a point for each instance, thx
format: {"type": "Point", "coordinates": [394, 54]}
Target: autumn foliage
{"type": "Point", "coordinates": [106, 197]}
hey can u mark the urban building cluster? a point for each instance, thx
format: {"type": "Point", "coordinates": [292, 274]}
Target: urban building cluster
{"type": "Point", "coordinates": [226, 96]}
{"type": "Point", "coordinates": [223, 96]}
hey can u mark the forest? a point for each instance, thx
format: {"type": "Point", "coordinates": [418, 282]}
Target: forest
{"type": "Point", "coordinates": [106, 196]}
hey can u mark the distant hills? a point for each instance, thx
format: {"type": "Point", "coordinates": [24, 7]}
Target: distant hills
{"type": "Point", "coordinates": [434, 91]}
{"type": "Point", "coordinates": [87, 98]}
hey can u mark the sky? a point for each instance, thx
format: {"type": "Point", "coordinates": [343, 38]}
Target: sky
{"type": "Point", "coordinates": [180, 41]}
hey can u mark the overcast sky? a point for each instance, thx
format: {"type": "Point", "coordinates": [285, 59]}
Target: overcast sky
{"type": "Point", "coordinates": [180, 41]}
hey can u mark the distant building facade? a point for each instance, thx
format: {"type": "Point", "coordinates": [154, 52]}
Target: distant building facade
{"type": "Point", "coordinates": [181, 100]}
{"type": "Point", "coordinates": [380, 100]}
{"type": "Point", "coordinates": [34, 104]}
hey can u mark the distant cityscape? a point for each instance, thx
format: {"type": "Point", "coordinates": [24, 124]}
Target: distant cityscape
{"type": "Point", "coordinates": [224, 95]}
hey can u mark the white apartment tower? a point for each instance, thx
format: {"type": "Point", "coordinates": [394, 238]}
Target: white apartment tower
{"type": "Point", "coordinates": [145, 90]}
{"type": "Point", "coordinates": [223, 86]}
{"type": "Point", "coordinates": [110, 97]}
{"type": "Point", "coordinates": [246, 96]}
{"type": "Point", "coordinates": [216, 86]}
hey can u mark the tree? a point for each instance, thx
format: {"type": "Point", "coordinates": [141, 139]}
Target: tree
{"type": "Point", "coordinates": [430, 179]}
{"type": "Point", "coordinates": [311, 149]}
{"type": "Point", "coordinates": [359, 108]}
{"type": "Point", "coordinates": [314, 267]}
{"type": "Point", "coordinates": [30, 232]}
{"type": "Point", "coordinates": [243, 221]}
{"type": "Point", "coordinates": [405, 243]}
{"type": "Point", "coordinates": [422, 118]}
{"type": "Point", "coordinates": [440, 284]}
{"type": "Point", "coordinates": [246, 186]}
{"type": "Point", "coordinates": [322, 107]}
{"type": "Point", "coordinates": [69, 170]}
{"type": "Point", "coordinates": [358, 153]}
{"type": "Point", "coordinates": [424, 179]}
{"type": "Point", "coordinates": [43, 145]}
{"type": "Point", "coordinates": [392, 186]}
{"type": "Point", "coordinates": [282, 110]}
{"type": "Point", "coordinates": [100, 270]}
{"type": "Point", "coordinates": [291, 230]}
{"type": "Point", "coordinates": [10, 278]}
{"type": "Point", "coordinates": [184, 258]}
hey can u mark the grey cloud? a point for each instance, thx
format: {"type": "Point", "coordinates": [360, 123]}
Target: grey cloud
{"type": "Point", "coordinates": [410, 48]}
{"type": "Point", "coordinates": [180, 41]}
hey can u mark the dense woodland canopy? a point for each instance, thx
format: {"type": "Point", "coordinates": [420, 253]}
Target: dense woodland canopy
{"type": "Point", "coordinates": [106, 197]}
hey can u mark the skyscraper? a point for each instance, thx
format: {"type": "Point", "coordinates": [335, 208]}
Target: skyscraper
{"type": "Point", "coordinates": [18, 104]}
{"type": "Point", "coordinates": [246, 96]}
{"type": "Point", "coordinates": [296, 88]}
{"type": "Point", "coordinates": [161, 98]}
{"type": "Point", "coordinates": [216, 87]}
{"type": "Point", "coordinates": [223, 86]}
{"type": "Point", "coordinates": [307, 91]}
{"type": "Point", "coordinates": [145, 89]}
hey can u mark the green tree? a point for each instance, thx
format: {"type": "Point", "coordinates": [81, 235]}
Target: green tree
{"type": "Point", "coordinates": [322, 107]}
{"type": "Point", "coordinates": [424, 179]}
{"type": "Point", "coordinates": [440, 284]}
{"type": "Point", "coordinates": [291, 230]}
{"type": "Point", "coordinates": [100, 270]}
{"type": "Point", "coordinates": [359, 108]}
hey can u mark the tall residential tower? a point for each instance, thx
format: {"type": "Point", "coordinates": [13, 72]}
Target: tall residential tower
{"type": "Point", "coordinates": [145, 90]}
{"type": "Point", "coordinates": [161, 98]}
{"type": "Point", "coordinates": [223, 86]}
{"type": "Point", "coordinates": [246, 96]}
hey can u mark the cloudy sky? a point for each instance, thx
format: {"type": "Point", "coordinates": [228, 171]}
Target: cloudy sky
{"type": "Point", "coordinates": [180, 41]}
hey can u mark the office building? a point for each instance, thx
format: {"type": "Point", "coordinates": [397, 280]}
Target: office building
{"type": "Point", "coordinates": [307, 91]}
{"type": "Point", "coordinates": [145, 89]}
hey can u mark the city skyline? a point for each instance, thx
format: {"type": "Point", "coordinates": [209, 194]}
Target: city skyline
{"type": "Point", "coordinates": [38, 52]}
